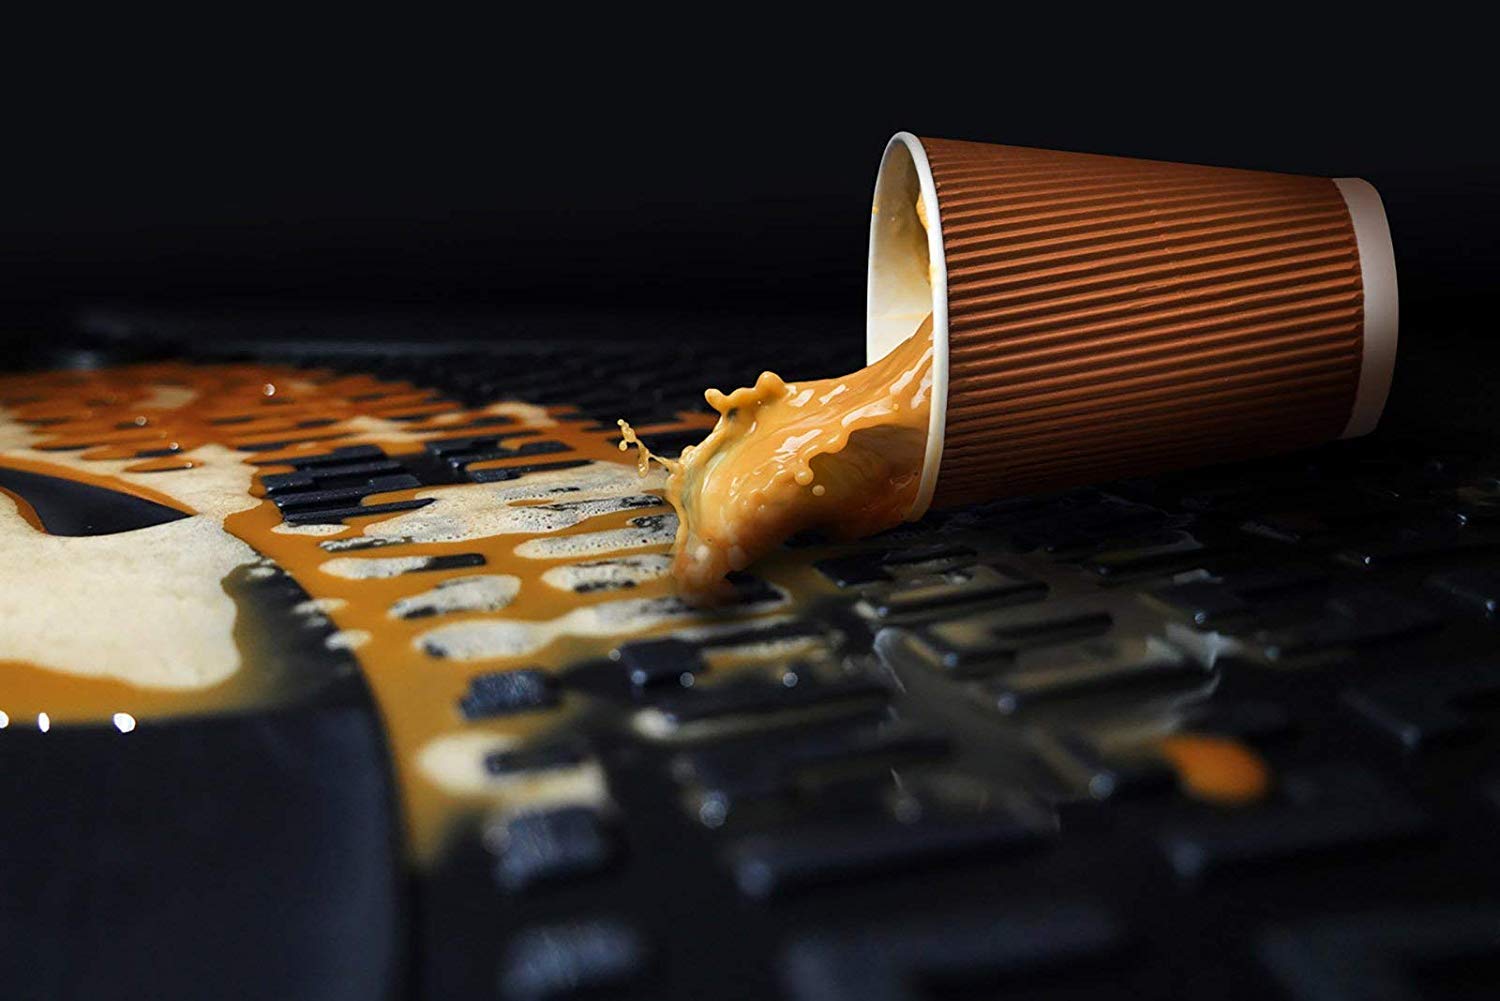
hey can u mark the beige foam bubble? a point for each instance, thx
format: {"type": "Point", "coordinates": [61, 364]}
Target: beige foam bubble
{"type": "Point", "coordinates": [164, 397]}
{"type": "Point", "coordinates": [373, 567]}
{"type": "Point", "coordinates": [479, 593]}
{"type": "Point", "coordinates": [133, 606]}
{"type": "Point", "coordinates": [608, 575]}
{"type": "Point", "coordinates": [312, 529]}
{"type": "Point", "coordinates": [659, 531]}
{"type": "Point", "coordinates": [347, 639]}
{"type": "Point", "coordinates": [491, 638]}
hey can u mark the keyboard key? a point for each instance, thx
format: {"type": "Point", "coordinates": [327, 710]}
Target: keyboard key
{"type": "Point", "coordinates": [504, 692]}
{"type": "Point", "coordinates": [764, 766]}
{"type": "Point", "coordinates": [978, 644]}
{"type": "Point", "coordinates": [1210, 602]}
{"type": "Point", "coordinates": [550, 845]}
{"type": "Point", "coordinates": [1478, 587]}
{"type": "Point", "coordinates": [1331, 814]}
{"type": "Point", "coordinates": [334, 515]}
{"type": "Point", "coordinates": [558, 961]}
{"type": "Point", "coordinates": [329, 476]}
{"type": "Point", "coordinates": [797, 689]}
{"type": "Point", "coordinates": [769, 865]}
{"type": "Point", "coordinates": [871, 567]}
{"type": "Point", "coordinates": [1153, 554]}
{"type": "Point", "coordinates": [654, 662]}
{"type": "Point", "coordinates": [340, 496]}
{"type": "Point", "coordinates": [1430, 708]}
{"type": "Point", "coordinates": [1413, 545]}
{"type": "Point", "coordinates": [894, 960]}
{"type": "Point", "coordinates": [1093, 671]}
{"type": "Point", "coordinates": [498, 475]}
{"type": "Point", "coordinates": [1350, 621]}
{"type": "Point", "coordinates": [1390, 955]}
{"type": "Point", "coordinates": [345, 456]}
{"type": "Point", "coordinates": [930, 592]}
{"type": "Point", "coordinates": [543, 757]}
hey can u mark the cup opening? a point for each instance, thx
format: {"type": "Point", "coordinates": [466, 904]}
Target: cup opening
{"type": "Point", "coordinates": [908, 279]}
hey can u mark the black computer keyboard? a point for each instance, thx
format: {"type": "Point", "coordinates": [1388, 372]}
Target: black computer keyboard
{"type": "Point", "coordinates": [950, 785]}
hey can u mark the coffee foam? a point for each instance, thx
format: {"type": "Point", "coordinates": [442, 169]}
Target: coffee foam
{"type": "Point", "coordinates": [374, 567]}
{"type": "Point", "coordinates": [480, 593]}
{"type": "Point", "coordinates": [608, 575]}
{"type": "Point", "coordinates": [131, 606]}
{"type": "Point", "coordinates": [660, 530]}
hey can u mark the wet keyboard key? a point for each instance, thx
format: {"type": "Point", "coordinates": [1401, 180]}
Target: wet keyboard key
{"type": "Point", "coordinates": [549, 845]}
{"type": "Point", "coordinates": [895, 960]}
{"type": "Point", "coordinates": [978, 644]}
{"type": "Point", "coordinates": [768, 865]}
{"type": "Point", "coordinates": [931, 592]}
{"type": "Point", "coordinates": [1438, 705]}
{"type": "Point", "coordinates": [559, 961]}
{"type": "Point", "coordinates": [504, 692]}
{"type": "Point", "coordinates": [1478, 587]}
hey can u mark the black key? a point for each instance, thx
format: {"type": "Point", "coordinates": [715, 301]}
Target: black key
{"type": "Point", "coordinates": [1153, 554]}
{"type": "Point", "coordinates": [326, 476]}
{"type": "Point", "coordinates": [329, 516]}
{"type": "Point", "coordinates": [1414, 545]}
{"type": "Point", "coordinates": [1476, 586]}
{"type": "Point", "coordinates": [978, 644]}
{"type": "Point", "coordinates": [750, 589]}
{"type": "Point", "coordinates": [339, 496]}
{"type": "Point", "coordinates": [1091, 673]}
{"type": "Point", "coordinates": [929, 592]}
{"type": "Point", "coordinates": [1079, 763]}
{"type": "Point", "coordinates": [344, 456]}
{"type": "Point", "coordinates": [546, 446]}
{"type": "Point", "coordinates": [1211, 601]}
{"type": "Point", "coordinates": [1085, 527]}
{"type": "Point", "coordinates": [544, 757]}
{"type": "Point", "coordinates": [896, 960]}
{"type": "Point", "coordinates": [869, 567]}
{"type": "Point", "coordinates": [1352, 620]}
{"type": "Point", "coordinates": [936, 552]}
{"type": "Point", "coordinates": [767, 766]}
{"type": "Point", "coordinates": [1326, 517]}
{"type": "Point", "coordinates": [524, 690]}
{"type": "Point", "coordinates": [1311, 832]}
{"type": "Point", "coordinates": [452, 561]}
{"type": "Point", "coordinates": [761, 697]}
{"type": "Point", "coordinates": [1252, 721]}
{"type": "Point", "coordinates": [652, 662]}
{"type": "Point", "coordinates": [1428, 708]}
{"type": "Point", "coordinates": [512, 472]}
{"type": "Point", "coordinates": [1387, 955]}
{"type": "Point", "coordinates": [445, 447]}
{"type": "Point", "coordinates": [855, 569]}
{"type": "Point", "coordinates": [768, 865]}
{"type": "Point", "coordinates": [551, 845]}
{"type": "Point", "coordinates": [557, 961]}
{"type": "Point", "coordinates": [458, 459]}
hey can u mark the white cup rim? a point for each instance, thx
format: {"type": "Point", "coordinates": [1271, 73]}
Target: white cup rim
{"type": "Point", "coordinates": [891, 266]}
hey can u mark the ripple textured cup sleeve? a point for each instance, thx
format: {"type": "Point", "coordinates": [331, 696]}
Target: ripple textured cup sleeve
{"type": "Point", "coordinates": [1098, 317]}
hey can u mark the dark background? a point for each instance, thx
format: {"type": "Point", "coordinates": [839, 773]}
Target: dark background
{"type": "Point", "coordinates": [707, 167]}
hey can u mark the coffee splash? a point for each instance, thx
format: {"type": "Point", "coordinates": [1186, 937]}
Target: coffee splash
{"type": "Point", "coordinates": [842, 456]}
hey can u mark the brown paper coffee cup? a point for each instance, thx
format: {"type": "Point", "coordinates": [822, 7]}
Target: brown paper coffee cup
{"type": "Point", "coordinates": [1097, 317]}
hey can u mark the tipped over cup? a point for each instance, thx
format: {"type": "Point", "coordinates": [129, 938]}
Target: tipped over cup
{"type": "Point", "coordinates": [1097, 317]}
